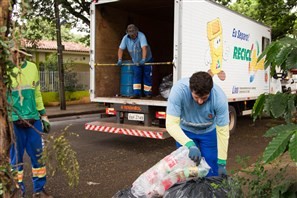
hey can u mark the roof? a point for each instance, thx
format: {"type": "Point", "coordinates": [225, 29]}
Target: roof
{"type": "Point", "coordinates": [52, 45]}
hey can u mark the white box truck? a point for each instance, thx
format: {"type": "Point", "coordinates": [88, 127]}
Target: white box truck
{"type": "Point", "coordinates": [194, 35]}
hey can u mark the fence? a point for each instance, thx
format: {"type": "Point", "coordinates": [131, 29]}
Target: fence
{"type": "Point", "coordinates": [73, 81]}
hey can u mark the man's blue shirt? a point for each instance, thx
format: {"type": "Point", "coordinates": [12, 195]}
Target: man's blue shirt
{"type": "Point", "coordinates": [194, 117]}
{"type": "Point", "coordinates": [134, 47]}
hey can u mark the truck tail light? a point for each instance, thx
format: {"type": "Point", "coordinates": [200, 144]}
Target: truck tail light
{"type": "Point", "coordinates": [161, 115]}
{"type": "Point", "coordinates": [110, 111]}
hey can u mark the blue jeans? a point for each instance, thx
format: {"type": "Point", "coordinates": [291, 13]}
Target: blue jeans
{"type": "Point", "coordinates": [207, 143]}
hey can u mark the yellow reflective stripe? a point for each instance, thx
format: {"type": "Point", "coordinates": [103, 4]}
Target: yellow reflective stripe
{"type": "Point", "coordinates": [39, 172]}
{"type": "Point", "coordinates": [20, 176]}
{"type": "Point", "coordinates": [147, 88]}
{"type": "Point", "coordinates": [136, 86]}
{"type": "Point", "coordinates": [24, 87]}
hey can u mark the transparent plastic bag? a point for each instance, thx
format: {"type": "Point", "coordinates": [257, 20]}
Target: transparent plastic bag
{"type": "Point", "coordinates": [173, 168]}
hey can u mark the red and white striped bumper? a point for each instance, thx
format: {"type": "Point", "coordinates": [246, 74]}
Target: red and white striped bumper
{"type": "Point", "coordinates": [125, 129]}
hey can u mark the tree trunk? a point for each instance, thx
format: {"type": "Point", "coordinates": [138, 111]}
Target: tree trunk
{"type": "Point", "coordinates": [5, 129]}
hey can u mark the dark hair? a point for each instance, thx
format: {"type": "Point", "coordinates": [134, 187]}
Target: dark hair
{"type": "Point", "coordinates": [201, 83]}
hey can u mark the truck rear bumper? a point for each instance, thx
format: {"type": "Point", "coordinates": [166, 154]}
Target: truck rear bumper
{"type": "Point", "coordinates": [126, 129]}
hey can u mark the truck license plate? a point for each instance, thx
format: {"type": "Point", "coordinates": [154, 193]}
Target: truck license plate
{"type": "Point", "coordinates": [136, 116]}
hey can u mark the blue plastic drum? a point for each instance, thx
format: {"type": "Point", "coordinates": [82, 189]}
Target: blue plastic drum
{"type": "Point", "coordinates": [126, 80]}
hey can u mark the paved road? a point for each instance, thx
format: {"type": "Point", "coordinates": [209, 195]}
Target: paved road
{"type": "Point", "coordinates": [110, 162]}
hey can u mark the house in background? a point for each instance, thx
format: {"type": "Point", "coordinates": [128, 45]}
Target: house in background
{"type": "Point", "coordinates": [77, 53]}
{"type": "Point", "coordinates": [76, 80]}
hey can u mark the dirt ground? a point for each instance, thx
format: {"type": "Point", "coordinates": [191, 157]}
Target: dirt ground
{"type": "Point", "coordinates": [109, 163]}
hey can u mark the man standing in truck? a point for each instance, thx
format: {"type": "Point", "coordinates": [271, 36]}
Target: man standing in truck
{"type": "Point", "coordinates": [140, 52]}
{"type": "Point", "coordinates": [198, 118]}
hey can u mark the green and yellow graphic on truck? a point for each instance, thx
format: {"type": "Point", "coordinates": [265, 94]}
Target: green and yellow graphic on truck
{"type": "Point", "coordinates": [215, 40]}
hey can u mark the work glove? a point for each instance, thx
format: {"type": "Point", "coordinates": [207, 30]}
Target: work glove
{"type": "Point", "coordinates": [46, 124]}
{"type": "Point", "coordinates": [195, 154]}
{"type": "Point", "coordinates": [142, 62]}
{"type": "Point", "coordinates": [222, 169]}
{"type": "Point", "coordinates": [120, 62]}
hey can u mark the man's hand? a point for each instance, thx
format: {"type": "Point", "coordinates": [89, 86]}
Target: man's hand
{"type": "Point", "coordinates": [195, 154]}
{"type": "Point", "coordinates": [142, 62]}
{"type": "Point", "coordinates": [222, 169]}
{"type": "Point", "coordinates": [120, 62]}
{"type": "Point", "coordinates": [46, 124]}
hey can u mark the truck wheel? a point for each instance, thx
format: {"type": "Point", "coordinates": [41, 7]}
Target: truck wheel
{"type": "Point", "coordinates": [233, 119]}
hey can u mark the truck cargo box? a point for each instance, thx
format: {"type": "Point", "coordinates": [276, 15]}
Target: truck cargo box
{"type": "Point", "coordinates": [110, 20]}
{"type": "Point", "coordinates": [196, 35]}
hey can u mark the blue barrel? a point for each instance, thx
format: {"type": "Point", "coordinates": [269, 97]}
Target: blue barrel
{"type": "Point", "coordinates": [126, 80]}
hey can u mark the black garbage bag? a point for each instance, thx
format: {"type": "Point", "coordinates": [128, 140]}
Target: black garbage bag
{"type": "Point", "coordinates": [166, 86]}
{"type": "Point", "coordinates": [208, 187]}
{"type": "Point", "coordinates": [125, 193]}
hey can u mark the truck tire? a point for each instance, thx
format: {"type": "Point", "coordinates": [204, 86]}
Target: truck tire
{"type": "Point", "coordinates": [233, 119]}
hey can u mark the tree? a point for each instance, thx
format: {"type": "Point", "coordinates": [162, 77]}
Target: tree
{"type": "Point", "coordinates": [58, 146]}
{"type": "Point", "coordinates": [40, 29]}
{"type": "Point", "coordinates": [224, 2]}
{"type": "Point", "coordinates": [75, 12]}
{"type": "Point", "coordinates": [6, 135]}
{"type": "Point", "coordinates": [278, 14]}
{"type": "Point", "coordinates": [280, 54]}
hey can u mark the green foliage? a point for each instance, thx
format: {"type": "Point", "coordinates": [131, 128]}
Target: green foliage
{"type": "Point", "coordinates": [51, 62]}
{"type": "Point", "coordinates": [7, 176]}
{"type": "Point", "coordinates": [278, 145]}
{"type": "Point", "coordinates": [53, 97]}
{"type": "Point", "coordinates": [71, 84]}
{"type": "Point", "coordinates": [246, 7]}
{"type": "Point", "coordinates": [58, 149]}
{"type": "Point", "coordinates": [283, 191]}
{"type": "Point", "coordinates": [75, 12]}
{"type": "Point", "coordinates": [273, 131]}
{"type": "Point", "coordinates": [281, 54]}
{"type": "Point", "coordinates": [258, 181]}
{"type": "Point", "coordinates": [39, 29]}
{"type": "Point", "coordinates": [76, 95]}
{"type": "Point", "coordinates": [258, 106]}
{"type": "Point", "coordinates": [5, 46]}
{"type": "Point", "coordinates": [279, 105]}
{"type": "Point", "coordinates": [49, 97]}
{"type": "Point", "coordinates": [280, 15]}
{"type": "Point", "coordinates": [224, 2]}
{"type": "Point", "coordinates": [293, 145]}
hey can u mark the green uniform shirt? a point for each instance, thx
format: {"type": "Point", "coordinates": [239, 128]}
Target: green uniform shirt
{"type": "Point", "coordinates": [26, 97]}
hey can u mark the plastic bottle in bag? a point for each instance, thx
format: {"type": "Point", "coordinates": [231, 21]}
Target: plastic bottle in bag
{"type": "Point", "coordinates": [171, 179]}
{"type": "Point", "coordinates": [146, 183]}
{"type": "Point", "coordinates": [181, 175]}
